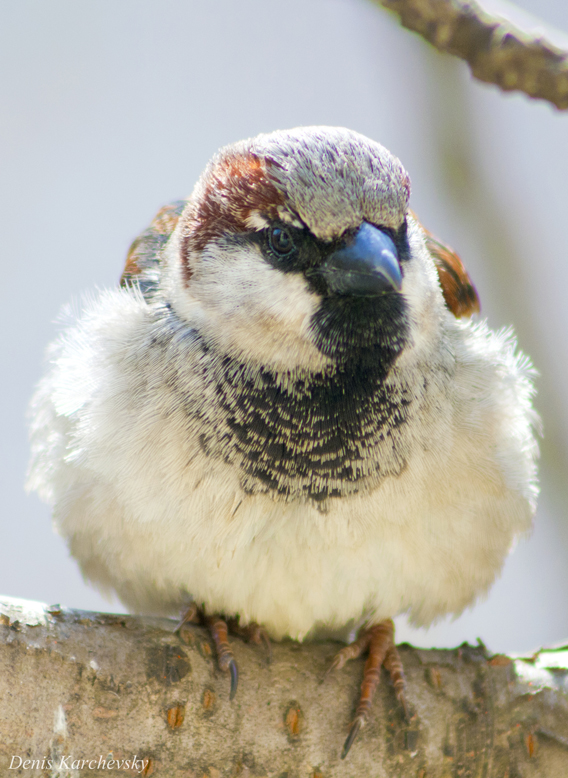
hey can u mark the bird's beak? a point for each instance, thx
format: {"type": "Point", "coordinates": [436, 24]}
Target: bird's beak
{"type": "Point", "coordinates": [365, 266]}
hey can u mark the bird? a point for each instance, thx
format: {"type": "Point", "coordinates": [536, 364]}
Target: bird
{"type": "Point", "coordinates": [288, 419]}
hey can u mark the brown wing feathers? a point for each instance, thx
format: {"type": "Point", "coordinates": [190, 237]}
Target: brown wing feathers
{"type": "Point", "coordinates": [459, 292]}
{"type": "Point", "coordinates": [143, 254]}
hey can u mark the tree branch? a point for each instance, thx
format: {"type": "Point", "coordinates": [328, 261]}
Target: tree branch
{"type": "Point", "coordinates": [496, 51]}
{"type": "Point", "coordinates": [91, 687]}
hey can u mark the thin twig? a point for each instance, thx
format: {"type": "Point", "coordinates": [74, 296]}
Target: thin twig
{"type": "Point", "coordinates": [496, 51]}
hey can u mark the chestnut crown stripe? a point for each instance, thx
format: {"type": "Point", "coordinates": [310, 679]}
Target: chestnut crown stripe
{"type": "Point", "coordinates": [232, 188]}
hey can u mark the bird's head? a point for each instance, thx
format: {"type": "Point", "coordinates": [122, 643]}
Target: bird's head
{"type": "Point", "coordinates": [296, 250]}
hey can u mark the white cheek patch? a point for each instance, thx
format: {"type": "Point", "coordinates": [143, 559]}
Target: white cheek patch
{"type": "Point", "coordinates": [242, 304]}
{"type": "Point", "coordinates": [423, 296]}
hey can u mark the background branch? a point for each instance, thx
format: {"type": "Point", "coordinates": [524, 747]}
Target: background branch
{"type": "Point", "coordinates": [496, 51]}
{"type": "Point", "coordinates": [92, 686]}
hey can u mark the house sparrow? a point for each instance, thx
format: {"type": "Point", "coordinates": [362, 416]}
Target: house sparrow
{"type": "Point", "coordinates": [285, 415]}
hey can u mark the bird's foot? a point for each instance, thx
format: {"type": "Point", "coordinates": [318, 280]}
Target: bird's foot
{"type": "Point", "coordinates": [193, 615]}
{"type": "Point", "coordinates": [226, 661]}
{"type": "Point", "coordinates": [219, 629]}
{"type": "Point", "coordinates": [378, 640]}
{"type": "Point", "coordinates": [252, 633]}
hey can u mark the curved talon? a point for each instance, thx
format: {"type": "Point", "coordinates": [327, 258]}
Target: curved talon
{"type": "Point", "coordinates": [191, 616]}
{"type": "Point", "coordinates": [335, 665]}
{"type": "Point", "coordinates": [378, 640]}
{"type": "Point", "coordinates": [268, 644]}
{"type": "Point", "coordinates": [234, 670]}
{"type": "Point", "coordinates": [353, 732]}
{"type": "Point", "coordinates": [352, 651]}
{"type": "Point", "coordinates": [258, 635]}
{"type": "Point", "coordinates": [402, 699]}
{"type": "Point", "coordinates": [252, 633]}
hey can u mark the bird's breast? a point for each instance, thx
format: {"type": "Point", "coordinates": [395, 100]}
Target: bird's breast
{"type": "Point", "coordinates": [308, 436]}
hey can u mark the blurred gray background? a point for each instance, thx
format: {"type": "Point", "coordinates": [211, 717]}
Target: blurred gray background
{"type": "Point", "coordinates": [109, 110]}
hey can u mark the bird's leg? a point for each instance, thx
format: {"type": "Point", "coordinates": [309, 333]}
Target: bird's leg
{"type": "Point", "coordinates": [219, 629]}
{"type": "Point", "coordinates": [252, 633]}
{"type": "Point", "coordinates": [393, 666]}
{"type": "Point", "coordinates": [219, 632]}
{"type": "Point", "coordinates": [352, 651]}
{"type": "Point", "coordinates": [379, 641]}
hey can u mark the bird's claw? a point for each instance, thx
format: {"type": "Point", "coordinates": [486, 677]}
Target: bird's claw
{"type": "Point", "coordinates": [268, 646]}
{"type": "Point", "coordinates": [337, 664]}
{"type": "Point", "coordinates": [378, 640]}
{"type": "Point", "coordinates": [353, 732]}
{"type": "Point", "coordinates": [192, 615]}
{"type": "Point", "coordinates": [234, 670]}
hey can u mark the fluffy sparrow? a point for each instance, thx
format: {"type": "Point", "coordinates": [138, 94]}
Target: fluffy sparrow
{"type": "Point", "coordinates": [285, 415]}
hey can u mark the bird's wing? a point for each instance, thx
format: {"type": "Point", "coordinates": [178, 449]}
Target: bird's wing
{"type": "Point", "coordinates": [143, 259]}
{"type": "Point", "coordinates": [459, 292]}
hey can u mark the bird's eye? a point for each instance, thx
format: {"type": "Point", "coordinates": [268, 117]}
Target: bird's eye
{"type": "Point", "coordinates": [281, 241]}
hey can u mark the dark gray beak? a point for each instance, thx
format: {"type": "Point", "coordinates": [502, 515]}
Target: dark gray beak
{"type": "Point", "coordinates": [366, 266]}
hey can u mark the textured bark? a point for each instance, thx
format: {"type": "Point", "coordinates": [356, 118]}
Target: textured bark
{"type": "Point", "coordinates": [496, 51]}
{"type": "Point", "coordinates": [88, 686]}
